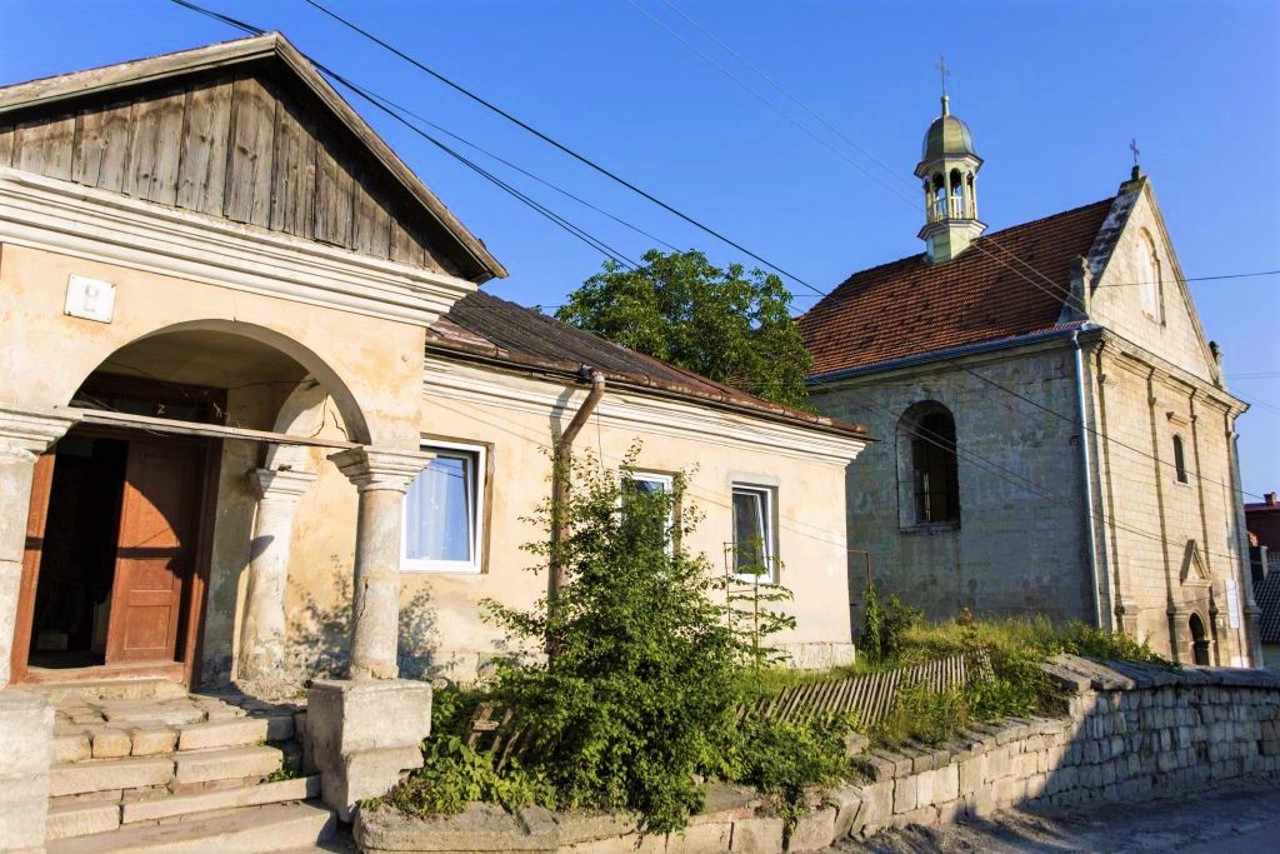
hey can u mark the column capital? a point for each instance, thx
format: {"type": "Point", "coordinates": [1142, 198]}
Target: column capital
{"type": "Point", "coordinates": [287, 484]}
{"type": "Point", "coordinates": [25, 434]}
{"type": "Point", "coordinates": [381, 469]}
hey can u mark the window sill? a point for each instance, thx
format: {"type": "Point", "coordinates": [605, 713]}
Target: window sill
{"type": "Point", "coordinates": [439, 568]}
{"type": "Point", "coordinates": [929, 528]}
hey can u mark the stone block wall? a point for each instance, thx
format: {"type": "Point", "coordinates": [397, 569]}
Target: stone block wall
{"type": "Point", "coordinates": [1131, 732]}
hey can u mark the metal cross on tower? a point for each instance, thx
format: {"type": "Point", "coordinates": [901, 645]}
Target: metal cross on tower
{"type": "Point", "coordinates": [943, 72]}
{"type": "Point", "coordinates": [1133, 146]}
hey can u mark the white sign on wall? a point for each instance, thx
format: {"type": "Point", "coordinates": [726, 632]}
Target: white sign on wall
{"type": "Point", "coordinates": [91, 299]}
{"type": "Point", "coordinates": [1233, 603]}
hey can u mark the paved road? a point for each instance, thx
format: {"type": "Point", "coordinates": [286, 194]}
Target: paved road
{"type": "Point", "coordinates": [1234, 821]}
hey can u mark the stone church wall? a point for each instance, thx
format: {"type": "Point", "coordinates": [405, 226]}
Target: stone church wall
{"type": "Point", "coordinates": [1171, 542]}
{"type": "Point", "coordinates": [1020, 546]}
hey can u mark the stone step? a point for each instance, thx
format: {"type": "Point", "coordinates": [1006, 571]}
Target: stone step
{"type": "Point", "coordinates": [283, 791]}
{"type": "Point", "coordinates": [276, 827]}
{"type": "Point", "coordinates": [110, 689]}
{"type": "Point", "coordinates": [104, 775]}
{"type": "Point", "coordinates": [202, 766]}
{"type": "Point", "coordinates": [230, 732]}
{"type": "Point", "coordinates": [82, 818]}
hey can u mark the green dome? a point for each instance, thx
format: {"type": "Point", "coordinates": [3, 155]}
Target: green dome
{"type": "Point", "coordinates": [947, 135]}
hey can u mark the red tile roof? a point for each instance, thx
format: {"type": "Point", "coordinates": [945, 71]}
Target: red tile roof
{"type": "Point", "coordinates": [908, 307]}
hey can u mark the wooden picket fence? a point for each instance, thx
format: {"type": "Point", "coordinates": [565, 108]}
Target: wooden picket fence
{"type": "Point", "coordinates": [871, 695]}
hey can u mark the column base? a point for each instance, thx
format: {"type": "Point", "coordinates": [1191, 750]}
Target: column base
{"type": "Point", "coordinates": [26, 743]}
{"type": "Point", "coordinates": [361, 736]}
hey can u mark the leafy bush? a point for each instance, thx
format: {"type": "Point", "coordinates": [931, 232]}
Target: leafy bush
{"type": "Point", "coordinates": [454, 775]}
{"type": "Point", "coordinates": [641, 693]}
{"type": "Point", "coordinates": [884, 635]}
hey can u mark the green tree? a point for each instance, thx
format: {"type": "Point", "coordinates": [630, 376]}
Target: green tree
{"type": "Point", "coordinates": [731, 325]}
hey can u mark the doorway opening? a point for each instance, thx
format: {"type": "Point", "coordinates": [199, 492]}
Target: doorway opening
{"type": "Point", "coordinates": [78, 558]}
{"type": "Point", "coordinates": [1199, 641]}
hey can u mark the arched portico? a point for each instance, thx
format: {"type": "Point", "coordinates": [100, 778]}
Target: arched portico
{"type": "Point", "coordinates": [156, 418]}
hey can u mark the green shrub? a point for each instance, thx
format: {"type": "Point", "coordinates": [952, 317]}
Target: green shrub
{"type": "Point", "coordinates": [641, 693]}
{"type": "Point", "coordinates": [923, 715]}
{"type": "Point", "coordinates": [454, 774]}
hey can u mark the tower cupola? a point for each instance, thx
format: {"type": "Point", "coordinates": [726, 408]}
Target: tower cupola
{"type": "Point", "coordinates": [949, 169]}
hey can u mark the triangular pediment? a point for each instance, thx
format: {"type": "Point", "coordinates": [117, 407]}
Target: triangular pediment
{"type": "Point", "coordinates": [248, 131]}
{"type": "Point", "coordinates": [1193, 568]}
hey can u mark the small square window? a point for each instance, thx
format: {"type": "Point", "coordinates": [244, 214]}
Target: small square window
{"type": "Point", "coordinates": [444, 512]}
{"type": "Point", "coordinates": [754, 544]}
{"type": "Point", "coordinates": [638, 484]}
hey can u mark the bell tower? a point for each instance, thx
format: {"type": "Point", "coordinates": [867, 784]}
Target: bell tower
{"type": "Point", "coordinates": [949, 169]}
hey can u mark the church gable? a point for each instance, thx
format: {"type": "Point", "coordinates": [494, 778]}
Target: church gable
{"type": "Point", "coordinates": [255, 138]}
{"type": "Point", "coordinates": [1140, 294]}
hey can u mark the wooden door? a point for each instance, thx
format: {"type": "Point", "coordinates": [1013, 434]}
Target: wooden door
{"type": "Point", "coordinates": [156, 550]}
{"type": "Point", "coordinates": [37, 516]}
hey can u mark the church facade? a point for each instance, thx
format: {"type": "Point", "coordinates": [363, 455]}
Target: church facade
{"type": "Point", "coordinates": [1058, 436]}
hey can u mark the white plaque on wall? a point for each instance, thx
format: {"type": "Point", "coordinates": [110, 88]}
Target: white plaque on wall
{"type": "Point", "coordinates": [1233, 603]}
{"type": "Point", "coordinates": [91, 299]}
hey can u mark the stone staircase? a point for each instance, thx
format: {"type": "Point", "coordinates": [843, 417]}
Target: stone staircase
{"type": "Point", "coordinates": [149, 767]}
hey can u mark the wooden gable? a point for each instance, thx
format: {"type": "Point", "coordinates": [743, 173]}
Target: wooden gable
{"type": "Point", "coordinates": [249, 141]}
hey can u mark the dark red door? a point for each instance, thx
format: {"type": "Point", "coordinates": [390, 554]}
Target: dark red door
{"type": "Point", "coordinates": [156, 550]}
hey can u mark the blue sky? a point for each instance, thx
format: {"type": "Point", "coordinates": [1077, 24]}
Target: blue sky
{"type": "Point", "coordinates": [1053, 92]}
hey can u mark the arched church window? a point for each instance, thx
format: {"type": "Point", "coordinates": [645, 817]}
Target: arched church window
{"type": "Point", "coordinates": [927, 445]}
{"type": "Point", "coordinates": [1150, 285]}
{"type": "Point", "coordinates": [1179, 459]}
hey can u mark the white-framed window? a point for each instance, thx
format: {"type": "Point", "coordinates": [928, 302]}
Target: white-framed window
{"type": "Point", "coordinates": [444, 511]}
{"type": "Point", "coordinates": [754, 538]}
{"type": "Point", "coordinates": [650, 483]}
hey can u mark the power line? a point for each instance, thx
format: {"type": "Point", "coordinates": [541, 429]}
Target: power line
{"type": "Point", "coordinates": [555, 143]}
{"type": "Point", "coordinates": [1184, 279]}
{"type": "Point", "coordinates": [388, 107]}
{"type": "Point", "coordinates": [1064, 291]}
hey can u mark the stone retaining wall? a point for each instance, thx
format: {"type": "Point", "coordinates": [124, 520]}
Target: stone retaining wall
{"type": "Point", "coordinates": [1131, 732]}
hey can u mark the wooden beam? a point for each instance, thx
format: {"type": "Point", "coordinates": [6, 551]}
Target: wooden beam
{"type": "Point", "coordinates": [191, 428]}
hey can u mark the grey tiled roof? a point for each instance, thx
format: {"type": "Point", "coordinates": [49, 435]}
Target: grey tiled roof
{"type": "Point", "coordinates": [1267, 595]}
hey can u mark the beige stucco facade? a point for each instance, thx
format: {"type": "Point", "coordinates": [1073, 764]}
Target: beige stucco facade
{"type": "Point", "coordinates": [514, 417]}
{"type": "Point", "coordinates": [319, 343]}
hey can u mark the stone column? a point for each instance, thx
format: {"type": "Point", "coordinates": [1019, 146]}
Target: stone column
{"type": "Point", "coordinates": [262, 632]}
{"type": "Point", "coordinates": [23, 437]}
{"type": "Point", "coordinates": [383, 477]}
{"type": "Point", "coordinates": [26, 719]}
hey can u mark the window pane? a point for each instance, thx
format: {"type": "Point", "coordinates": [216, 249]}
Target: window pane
{"type": "Point", "coordinates": [440, 511]}
{"type": "Point", "coordinates": [749, 531]}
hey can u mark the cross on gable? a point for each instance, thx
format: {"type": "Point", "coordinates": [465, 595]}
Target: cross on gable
{"type": "Point", "coordinates": [1133, 146]}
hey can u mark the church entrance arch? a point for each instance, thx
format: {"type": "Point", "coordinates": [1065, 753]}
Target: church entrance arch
{"type": "Point", "coordinates": [1199, 641]}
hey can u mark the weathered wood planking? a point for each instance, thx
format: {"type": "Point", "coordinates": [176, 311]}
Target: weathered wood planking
{"type": "Point", "coordinates": [333, 198]}
{"type": "Point", "coordinates": [293, 196]}
{"type": "Point", "coordinates": [44, 146]}
{"type": "Point", "coordinates": [234, 147]}
{"type": "Point", "coordinates": [202, 174]}
{"type": "Point", "coordinates": [6, 145]}
{"type": "Point", "coordinates": [154, 149]}
{"type": "Point", "coordinates": [371, 222]}
{"type": "Point", "coordinates": [102, 156]}
{"type": "Point", "coordinates": [252, 153]}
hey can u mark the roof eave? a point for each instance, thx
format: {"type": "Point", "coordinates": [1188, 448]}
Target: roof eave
{"type": "Point", "coordinates": [493, 355]}
{"type": "Point", "coordinates": [1085, 329]}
